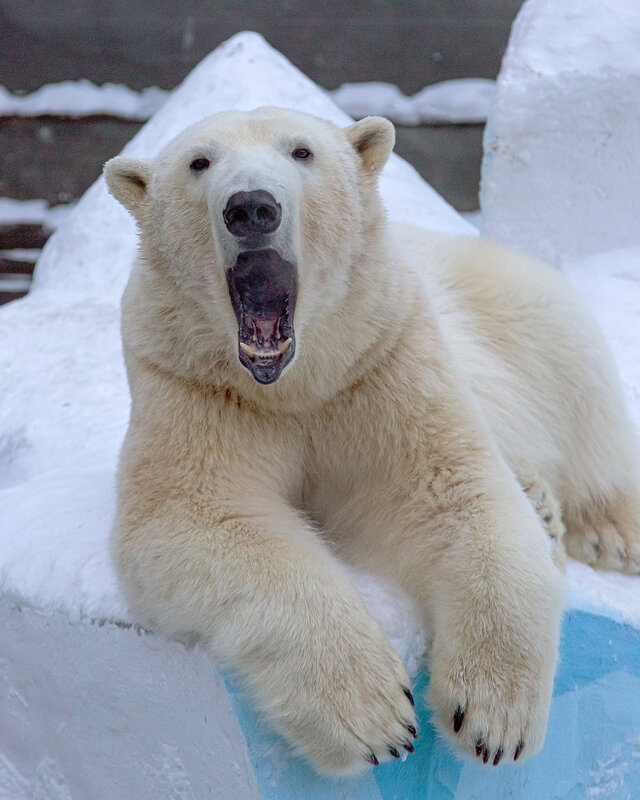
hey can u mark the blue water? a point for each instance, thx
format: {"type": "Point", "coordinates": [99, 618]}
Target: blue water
{"type": "Point", "coordinates": [592, 749]}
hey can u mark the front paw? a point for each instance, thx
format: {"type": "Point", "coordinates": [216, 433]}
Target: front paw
{"type": "Point", "coordinates": [491, 699]}
{"type": "Point", "coordinates": [342, 699]}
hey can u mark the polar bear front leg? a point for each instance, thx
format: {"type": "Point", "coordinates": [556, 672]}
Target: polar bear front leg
{"type": "Point", "coordinates": [278, 610]}
{"type": "Point", "coordinates": [494, 652]}
{"type": "Point", "coordinates": [496, 598]}
{"type": "Point", "coordinates": [468, 546]}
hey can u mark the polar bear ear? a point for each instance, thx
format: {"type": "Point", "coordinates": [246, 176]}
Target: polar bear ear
{"type": "Point", "coordinates": [127, 180]}
{"type": "Point", "coordinates": [373, 139]}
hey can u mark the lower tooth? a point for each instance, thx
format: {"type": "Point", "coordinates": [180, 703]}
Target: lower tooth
{"type": "Point", "coordinates": [251, 351]}
{"type": "Point", "coordinates": [248, 349]}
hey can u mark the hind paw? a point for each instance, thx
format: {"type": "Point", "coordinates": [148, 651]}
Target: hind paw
{"type": "Point", "coordinates": [606, 542]}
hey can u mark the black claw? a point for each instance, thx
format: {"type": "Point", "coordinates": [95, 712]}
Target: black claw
{"type": "Point", "coordinates": [457, 719]}
{"type": "Point", "coordinates": [519, 749]}
{"type": "Point", "coordinates": [498, 756]}
{"type": "Point", "coordinates": [394, 752]}
{"type": "Point", "coordinates": [485, 754]}
{"type": "Point", "coordinates": [373, 760]}
{"type": "Point", "coordinates": [479, 744]}
{"type": "Point", "coordinates": [412, 731]}
{"type": "Point", "coordinates": [409, 748]}
{"type": "Point", "coordinates": [409, 697]}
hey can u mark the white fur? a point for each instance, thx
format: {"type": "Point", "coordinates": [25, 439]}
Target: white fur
{"type": "Point", "coordinates": [435, 379]}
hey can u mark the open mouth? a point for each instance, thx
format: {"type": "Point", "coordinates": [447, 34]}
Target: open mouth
{"type": "Point", "coordinates": [263, 290]}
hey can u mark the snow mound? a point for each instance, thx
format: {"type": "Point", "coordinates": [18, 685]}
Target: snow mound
{"type": "Point", "coordinates": [563, 138]}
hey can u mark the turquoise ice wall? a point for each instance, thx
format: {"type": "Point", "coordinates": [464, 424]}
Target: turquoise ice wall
{"type": "Point", "coordinates": [592, 749]}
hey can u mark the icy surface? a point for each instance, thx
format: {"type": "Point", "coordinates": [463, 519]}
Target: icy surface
{"type": "Point", "coordinates": [99, 712]}
{"type": "Point", "coordinates": [592, 748]}
{"type": "Point", "coordinates": [562, 143]}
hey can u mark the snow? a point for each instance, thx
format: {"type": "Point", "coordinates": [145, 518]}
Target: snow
{"type": "Point", "coordinates": [153, 711]}
{"type": "Point", "coordinates": [22, 253]}
{"type": "Point", "coordinates": [563, 139]}
{"type": "Point", "coordinates": [14, 283]}
{"type": "Point", "coordinates": [83, 98]}
{"type": "Point", "coordinates": [617, 596]}
{"type": "Point", "coordinates": [32, 211]}
{"type": "Point", "coordinates": [465, 100]}
{"type": "Point", "coordinates": [473, 218]}
{"type": "Point", "coordinates": [454, 101]}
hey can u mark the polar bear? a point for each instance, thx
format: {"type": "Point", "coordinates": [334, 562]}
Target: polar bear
{"type": "Point", "coordinates": [311, 387]}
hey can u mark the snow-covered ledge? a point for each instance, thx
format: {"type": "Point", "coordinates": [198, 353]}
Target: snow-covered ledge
{"type": "Point", "coordinates": [92, 707]}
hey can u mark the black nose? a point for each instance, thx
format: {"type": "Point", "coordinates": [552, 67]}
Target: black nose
{"type": "Point", "coordinates": [250, 213]}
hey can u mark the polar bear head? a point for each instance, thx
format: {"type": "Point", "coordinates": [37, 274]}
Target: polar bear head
{"type": "Point", "coordinates": [255, 219]}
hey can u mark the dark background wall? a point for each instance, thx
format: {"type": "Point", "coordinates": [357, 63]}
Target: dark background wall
{"type": "Point", "coordinates": [142, 43]}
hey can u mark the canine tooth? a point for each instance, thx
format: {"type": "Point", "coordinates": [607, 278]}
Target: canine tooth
{"type": "Point", "coordinates": [283, 346]}
{"type": "Point", "coordinates": [248, 349]}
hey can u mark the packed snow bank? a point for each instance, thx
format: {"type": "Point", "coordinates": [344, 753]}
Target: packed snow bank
{"type": "Point", "coordinates": [562, 144]}
{"type": "Point", "coordinates": [462, 100]}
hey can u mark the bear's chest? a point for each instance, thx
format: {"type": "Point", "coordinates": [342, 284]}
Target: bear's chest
{"type": "Point", "coordinates": [351, 453]}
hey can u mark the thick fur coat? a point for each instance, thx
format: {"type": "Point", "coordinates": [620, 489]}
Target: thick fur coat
{"type": "Point", "coordinates": [436, 392]}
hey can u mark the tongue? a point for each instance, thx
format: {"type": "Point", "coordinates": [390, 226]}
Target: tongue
{"type": "Point", "coordinates": [266, 329]}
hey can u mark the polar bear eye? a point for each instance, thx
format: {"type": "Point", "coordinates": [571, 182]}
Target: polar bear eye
{"type": "Point", "coordinates": [199, 164]}
{"type": "Point", "coordinates": [302, 152]}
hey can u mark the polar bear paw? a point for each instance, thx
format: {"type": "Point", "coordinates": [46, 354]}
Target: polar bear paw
{"type": "Point", "coordinates": [608, 541]}
{"type": "Point", "coordinates": [547, 508]}
{"type": "Point", "coordinates": [493, 709]}
{"type": "Point", "coordinates": [348, 709]}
